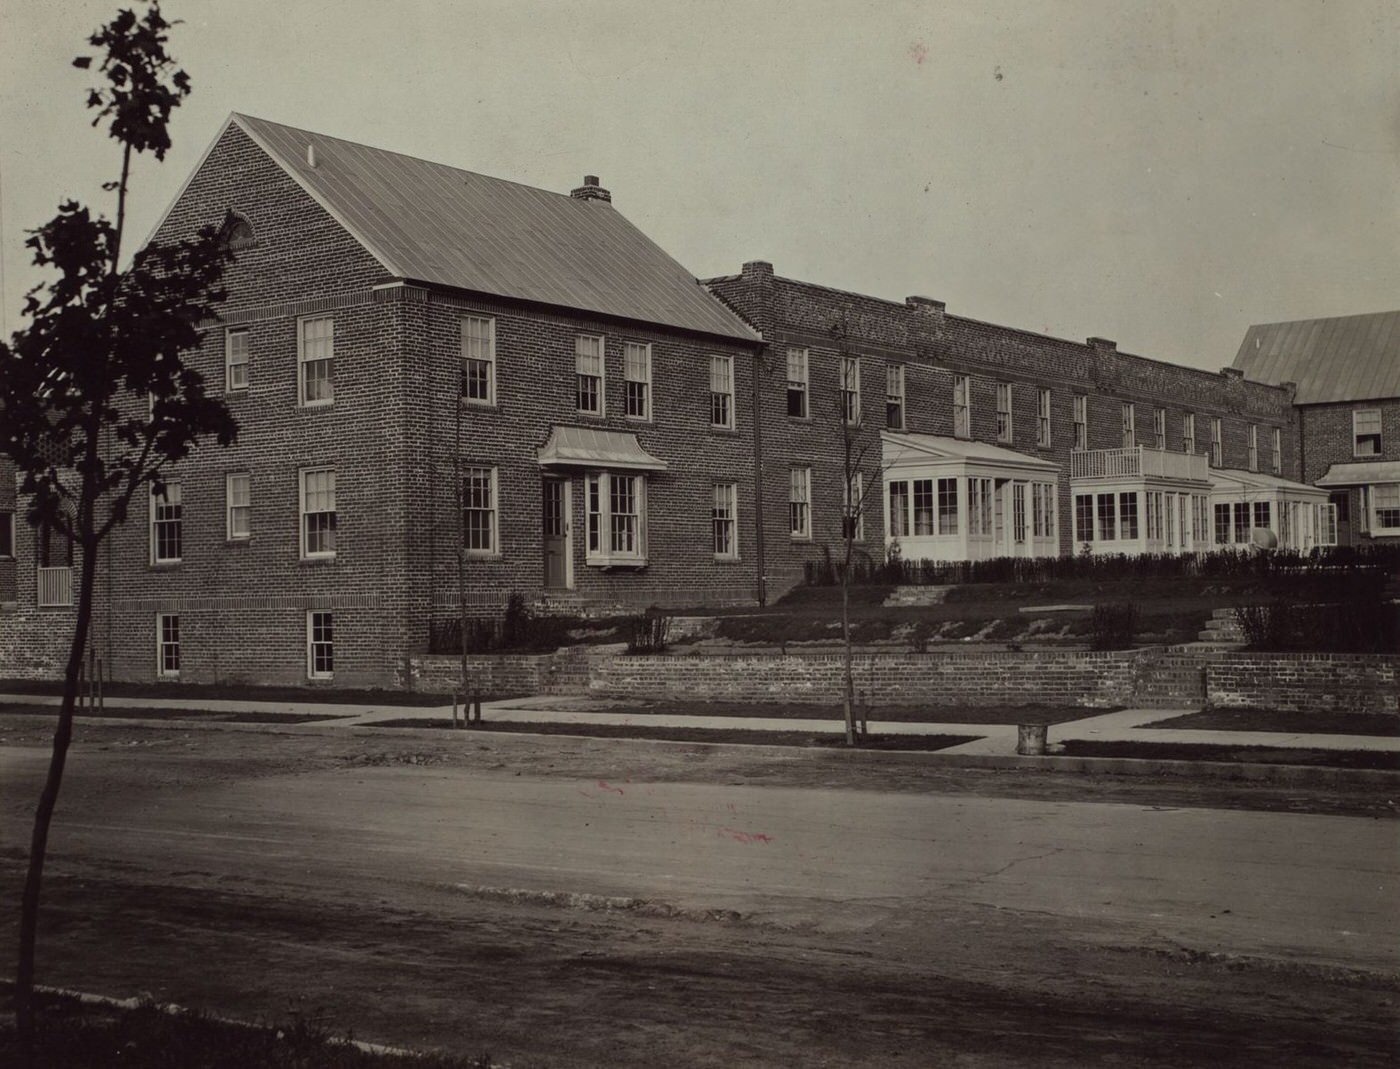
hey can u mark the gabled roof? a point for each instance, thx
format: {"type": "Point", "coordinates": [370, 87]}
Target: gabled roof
{"type": "Point", "coordinates": [428, 222]}
{"type": "Point", "coordinates": [1233, 479]}
{"type": "Point", "coordinates": [1348, 358]}
{"type": "Point", "coordinates": [904, 450]}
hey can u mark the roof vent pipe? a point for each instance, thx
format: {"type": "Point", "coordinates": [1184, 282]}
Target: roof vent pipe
{"type": "Point", "coordinates": [311, 156]}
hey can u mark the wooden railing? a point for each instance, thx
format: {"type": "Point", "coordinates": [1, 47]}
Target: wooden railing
{"type": "Point", "coordinates": [55, 587]}
{"type": "Point", "coordinates": [1137, 461]}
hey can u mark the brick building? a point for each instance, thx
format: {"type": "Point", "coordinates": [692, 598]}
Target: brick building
{"type": "Point", "coordinates": [988, 441]}
{"type": "Point", "coordinates": [1347, 371]}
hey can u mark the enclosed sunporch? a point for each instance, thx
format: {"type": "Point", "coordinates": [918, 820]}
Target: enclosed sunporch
{"type": "Point", "coordinates": [1139, 500]}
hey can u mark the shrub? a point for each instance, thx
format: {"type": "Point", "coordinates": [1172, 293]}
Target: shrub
{"type": "Point", "coordinates": [517, 630]}
{"type": "Point", "coordinates": [1113, 627]}
{"type": "Point", "coordinates": [1363, 623]}
{"type": "Point", "coordinates": [919, 636]}
{"type": "Point", "coordinates": [647, 633]}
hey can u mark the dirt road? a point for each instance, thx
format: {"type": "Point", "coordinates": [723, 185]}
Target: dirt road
{"type": "Point", "coordinates": [707, 907]}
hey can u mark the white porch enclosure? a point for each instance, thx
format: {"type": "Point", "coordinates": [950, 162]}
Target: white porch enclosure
{"type": "Point", "coordinates": [947, 499]}
{"type": "Point", "coordinates": [1246, 504]}
{"type": "Point", "coordinates": [1139, 500]}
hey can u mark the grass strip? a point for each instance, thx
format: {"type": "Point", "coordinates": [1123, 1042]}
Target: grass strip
{"type": "Point", "coordinates": [164, 713]}
{"type": "Point", "coordinates": [1242, 755]}
{"type": "Point", "coordinates": [1376, 725]}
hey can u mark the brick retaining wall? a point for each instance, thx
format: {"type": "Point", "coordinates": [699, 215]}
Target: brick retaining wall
{"type": "Point", "coordinates": [34, 644]}
{"type": "Point", "coordinates": [1341, 682]}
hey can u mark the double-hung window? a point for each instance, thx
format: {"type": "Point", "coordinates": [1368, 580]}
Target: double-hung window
{"type": "Point", "coordinates": [1217, 443]}
{"type": "Point", "coordinates": [1366, 432]}
{"type": "Point", "coordinates": [797, 383]}
{"type": "Point", "coordinates": [1276, 458]}
{"type": "Point", "coordinates": [1188, 433]}
{"type": "Point", "coordinates": [167, 524]}
{"type": "Point", "coordinates": [478, 360]}
{"type": "Point", "coordinates": [7, 533]}
{"type": "Point", "coordinates": [1081, 423]}
{"type": "Point", "coordinates": [894, 397]}
{"type": "Point", "coordinates": [168, 645]}
{"type": "Point", "coordinates": [1254, 447]}
{"type": "Point", "coordinates": [616, 518]}
{"type": "Point", "coordinates": [722, 391]}
{"type": "Point", "coordinates": [962, 406]}
{"type": "Point", "coordinates": [320, 645]}
{"type": "Point", "coordinates": [318, 512]}
{"type": "Point", "coordinates": [1385, 508]}
{"type": "Point", "coordinates": [1004, 429]}
{"type": "Point", "coordinates": [800, 503]}
{"type": "Point", "coordinates": [238, 506]}
{"type": "Point", "coordinates": [235, 360]}
{"type": "Point", "coordinates": [853, 508]}
{"type": "Point", "coordinates": [316, 359]}
{"type": "Point", "coordinates": [1042, 419]}
{"type": "Point", "coordinates": [588, 364]}
{"type": "Point", "coordinates": [722, 515]}
{"type": "Point", "coordinates": [850, 390]}
{"type": "Point", "coordinates": [1159, 428]}
{"type": "Point", "coordinates": [479, 531]}
{"type": "Point", "coordinates": [1129, 428]}
{"type": "Point", "coordinates": [636, 370]}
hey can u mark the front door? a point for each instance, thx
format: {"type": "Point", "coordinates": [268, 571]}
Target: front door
{"type": "Point", "coordinates": [556, 534]}
{"type": "Point", "coordinates": [1341, 499]}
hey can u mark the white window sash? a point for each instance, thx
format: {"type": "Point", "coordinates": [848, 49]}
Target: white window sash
{"type": "Point", "coordinates": [479, 360]}
{"type": "Point", "coordinates": [316, 360]}
{"type": "Point", "coordinates": [637, 376]}
{"type": "Point", "coordinates": [318, 500]}
{"type": "Point", "coordinates": [235, 360]}
{"type": "Point", "coordinates": [238, 502]}
{"type": "Point", "coordinates": [480, 502]}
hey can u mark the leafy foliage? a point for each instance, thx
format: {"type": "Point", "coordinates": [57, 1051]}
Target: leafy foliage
{"type": "Point", "coordinates": [648, 632]}
{"type": "Point", "coordinates": [1113, 627]}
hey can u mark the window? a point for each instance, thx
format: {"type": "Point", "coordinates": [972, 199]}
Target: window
{"type": "Point", "coordinates": [616, 510]}
{"type": "Point", "coordinates": [1128, 514]}
{"type": "Point", "coordinates": [850, 390]}
{"type": "Point", "coordinates": [1241, 521]}
{"type": "Point", "coordinates": [1262, 514]}
{"type": "Point", "coordinates": [979, 506]}
{"type": "Point", "coordinates": [923, 506]}
{"type": "Point", "coordinates": [1385, 506]}
{"type": "Point", "coordinates": [1042, 419]}
{"type": "Point", "coordinates": [1129, 431]}
{"type": "Point", "coordinates": [1084, 517]}
{"type": "Point", "coordinates": [7, 533]}
{"type": "Point", "coordinates": [1188, 433]}
{"type": "Point", "coordinates": [1222, 525]}
{"type": "Point", "coordinates": [1043, 510]}
{"type": "Point", "coordinates": [479, 360]}
{"type": "Point", "coordinates": [316, 359]}
{"type": "Point", "coordinates": [318, 512]}
{"type": "Point", "coordinates": [797, 383]}
{"type": "Point", "coordinates": [237, 506]}
{"type": "Point", "coordinates": [1253, 447]}
{"type": "Point", "coordinates": [962, 406]}
{"type": "Point", "coordinates": [168, 646]}
{"type": "Point", "coordinates": [948, 506]}
{"type": "Point", "coordinates": [1018, 512]}
{"type": "Point", "coordinates": [1004, 412]}
{"type": "Point", "coordinates": [800, 502]}
{"type": "Point", "coordinates": [636, 373]}
{"type": "Point", "coordinates": [1106, 518]}
{"type": "Point", "coordinates": [722, 517]}
{"type": "Point", "coordinates": [899, 509]}
{"type": "Point", "coordinates": [588, 362]}
{"type": "Point", "coordinates": [479, 511]}
{"type": "Point", "coordinates": [853, 508]}
{"type": "Point", "coordinates": [721, 391]}
{"type": "Point", "coordinates": [1327, 522]}
{"type": "Point", "coordinates": [1081, 421]}
{"type": "Point", "coordinates": [894, 397]}
{"type": "Point", "coordinates": [1159, 428]}
{"type": "Point", "coordinates": [1217, 444]}
{"type": "Point", "coordinates": [1366, 432]}
{"type": "Point", "coordinates": [1276, 444]}
{"type": "Point", "coordinates": [235, 360]}
{"type": "Point", "coordinates": [167, 524]}
{"type": "Point", "coordinates": [320, 645]}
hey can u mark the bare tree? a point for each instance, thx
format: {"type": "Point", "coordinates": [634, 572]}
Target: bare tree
{"type": "Point", "coordinates": [95, 399]}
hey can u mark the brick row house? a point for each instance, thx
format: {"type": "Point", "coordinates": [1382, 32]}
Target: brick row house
{"type": "Point", "coordinates": [452, 387]}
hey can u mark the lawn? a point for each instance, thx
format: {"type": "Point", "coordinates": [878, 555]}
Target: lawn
{"type": "Point", "coordinates": [238, 692]}
{"type": "Point", "coordinates": [1248, 755]}
{"type": "Point", "coordinates": [1316, 723]}
{"type": "Point", "coordinates": [135, 713]}
{"type": "Point", "coordinates": [900, 714]}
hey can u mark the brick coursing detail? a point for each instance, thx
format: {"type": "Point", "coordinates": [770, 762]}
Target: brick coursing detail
{"type": "Point", "coordinates": [1306, 682]}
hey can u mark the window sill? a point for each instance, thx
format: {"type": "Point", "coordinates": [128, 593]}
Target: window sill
{"type": "Point", "coordinates": [637, 419]}
{"type": "Point", "coordinates": [615, 562]}
{"type": "Point", "coordinates": [800, 537]}
{"type": "Point", "coordinates": [478, 554]}
{"type": "Point", "coordinates": [324, 558]}
{"type": "Point", "coordinates": [729, 431]}
{"type": "Point", "coordinates": [727, 560]}
{"type": "Point", "coordinates": [165, 565]}
{"type": "Point", "coordinates": [238, 540]}
{"type": "Point", "coordinates": [489, 406]}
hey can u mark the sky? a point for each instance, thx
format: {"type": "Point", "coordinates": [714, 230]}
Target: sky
{"type": "Point", "coordinates": [1160, 174]}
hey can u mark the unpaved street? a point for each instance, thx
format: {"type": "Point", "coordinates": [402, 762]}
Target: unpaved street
{"type": "Point", "coordinates": [468, 894]}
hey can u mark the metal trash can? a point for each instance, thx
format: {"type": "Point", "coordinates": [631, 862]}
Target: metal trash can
{"type": "Point", "coordinates": [1030, 739]}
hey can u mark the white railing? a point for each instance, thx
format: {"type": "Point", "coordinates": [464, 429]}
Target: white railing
{"type": "Point", "coordinates": [1137, 461]}
{"type": "Point", "coordinates": [55, 587]}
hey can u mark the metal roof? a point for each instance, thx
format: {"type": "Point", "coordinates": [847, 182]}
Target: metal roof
{"type": "Point", "coordinates": [428, 222]}
{"type": "Point", "coordinates": [1348, 358]}
{"type": "Point", "coordinates": [1360, 474]}
{"type": "Point", "coordinates": [908, 449]}
{"type": "Point", "coordinates": [1223, 480]}
{"type": "Point", "coordinates": [588, 447]}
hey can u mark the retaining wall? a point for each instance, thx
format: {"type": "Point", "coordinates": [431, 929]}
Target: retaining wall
{"type": "Point", "coordinates": [1341, 682]}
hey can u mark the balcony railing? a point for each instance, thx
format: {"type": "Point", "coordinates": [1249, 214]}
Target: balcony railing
{"type": "Point", "coordinates": [1135, 462]}
{"type": "Point", "coordinates": [55, 587]}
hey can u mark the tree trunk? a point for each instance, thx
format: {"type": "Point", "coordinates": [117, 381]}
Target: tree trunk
{"type": "Point", "coordinates": [48, 800]}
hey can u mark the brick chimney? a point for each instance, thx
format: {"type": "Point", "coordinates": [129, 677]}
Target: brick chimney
{"type": "Point", "coordinates": [1103, 344]}
{"type": "Point", "coordinates": [591, 190]}
{"type": "Point", "coordinates": [926, 306]}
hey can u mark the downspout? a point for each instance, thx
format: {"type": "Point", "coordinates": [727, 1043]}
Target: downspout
{"type": "Point", "coordinates": [758, 370]}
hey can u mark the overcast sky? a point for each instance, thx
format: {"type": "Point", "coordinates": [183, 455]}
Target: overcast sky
{"type": "Point", "coordinates": [1161, 174]}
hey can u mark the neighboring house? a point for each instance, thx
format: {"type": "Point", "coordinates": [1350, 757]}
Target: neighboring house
{"type": "Point", "coordinates": [449, 387]}
{"type": "Point", "coordinates": [1346, 376]}
{"type": "Point", "coordinates": [988, 441]}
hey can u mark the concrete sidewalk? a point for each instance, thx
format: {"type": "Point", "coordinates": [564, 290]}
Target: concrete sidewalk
{"type": "Point", "coordinates": [987, 739]}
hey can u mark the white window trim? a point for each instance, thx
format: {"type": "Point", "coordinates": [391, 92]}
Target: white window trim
{"type": "Point", "coordinates": [489, 360]}
{"type": "Point", "coordinates": [229, 506]}
{"type": "Point", "coordinates": [302, 362]}
{"type": "Point", "coordinates": [604, 556]}
{"type": "Point", "coordinates": [602, 410]}
{"type": "Point", "coordinates": [1080, 418]}
{"type": "Point", "coordinates": [1044, 435]}
{"type": "Point", "coordinates": [799, 385]}
{"type": "Point", "coordinates": [850, 384]}
{"type": "Point", "coordinates": [853, 505]}
{"type": "Point", "coordinates": [311, 672]}
{"type": "Point", "coordinates": [727, 362]}
{"type": "Point", "coordinates": [805, 534]}
{"type": "Point", "coordinates": [1276, 442]}
{"type": "Point", "coordinates": [645, 348]}
{"type": "Point", "coordinates": [1356, 434]}
{"type": "Point", "coordinates": [161, 672]}
{"type": "Point", "coordinates": [732, 491]}
{"type": "Point", "coordinates": [1006, 429]}
{"type": "Point", "coordinates": [7, 524]}
{"type": "Point", "coordinates": [1254, 447]}
{"type": "Point", "coordinates": [302, 514]}
{"type": "Point", "coordinates": [1217, 442]}
{"type": "Point", "coordinates": [894, 377]}
{"type": "Point", "coordinates": [1129, 411]}
{"type": "Point", "coordinates": [1373, 510]}
{"type": "Point", "coordinates": [495, 509]}
{"type": "Point", "coordinates": [962, 406]}
{"type": "Point", "coordinates": [1188, 433]}
{"type": "Point", "coordinates": [154, 541]}
{"type": "Point", "coordinates": [230, 364]}
{"type": "Point", "coordinates": [1159, 428]}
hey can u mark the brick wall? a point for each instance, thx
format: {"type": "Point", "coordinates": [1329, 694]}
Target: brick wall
{"type": "Point", "coordinates": [1306, 682]}
{"type": "Point", "coordinates": [8, 517]}
{"type": "Point", "coordinates": [1328, 439]}
{"type": "Point", "coordinates": [497, 675]}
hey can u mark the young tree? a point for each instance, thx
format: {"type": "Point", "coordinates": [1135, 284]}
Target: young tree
{"type": "Point", "coordinates": [95, 401]}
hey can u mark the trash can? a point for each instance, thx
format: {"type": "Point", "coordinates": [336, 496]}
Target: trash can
{"type": "Point", "coordinates": [1030, 739]}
